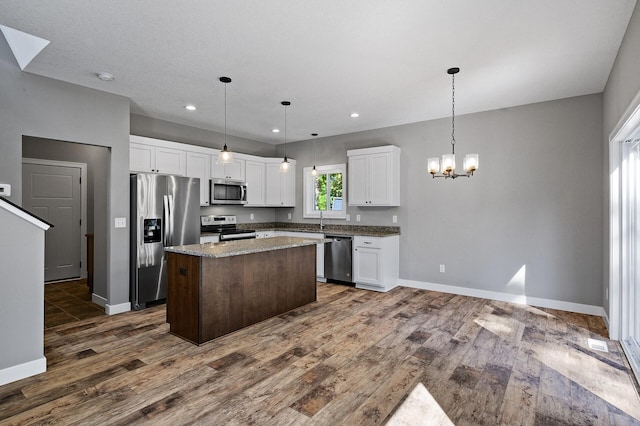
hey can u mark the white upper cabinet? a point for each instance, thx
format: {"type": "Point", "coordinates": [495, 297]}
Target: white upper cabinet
{"type": "Point", "coordinates": [280, 188]}
{"type": "Point", "coordinates": [231, 171]}
{"type": "Point", "coordinates": [266, 186]}
{"type": "Point", "coordinates": [145, 155]}
{"type": "Point", "coordinates": [198, 166]}
{"type": "Point", "coordinates": [255, 179]}
{"type": "Point", "coordinates": [374, 176]}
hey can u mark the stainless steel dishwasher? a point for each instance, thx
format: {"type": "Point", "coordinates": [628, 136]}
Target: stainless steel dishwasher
{"type": "Point", "coordinates": [337, 258]}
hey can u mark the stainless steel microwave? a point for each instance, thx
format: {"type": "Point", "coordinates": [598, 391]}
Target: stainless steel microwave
{"type": "Point", "coordinates": [222, 191]}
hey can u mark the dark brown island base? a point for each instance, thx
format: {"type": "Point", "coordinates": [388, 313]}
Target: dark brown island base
{"type": "Point", "coordinates": [216, 288]}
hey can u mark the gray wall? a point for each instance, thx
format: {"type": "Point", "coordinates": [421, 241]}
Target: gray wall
{"type": "Point", "coordinates": [97, 160]}
{"type": "Point", "coordinates": [159, 129]}
{"type": "Point", "coordinates": [534, 206]}
{"type": "Point", "coordinates": [40, 107]}
{"type": "Point", "coordinates": [623, 85]}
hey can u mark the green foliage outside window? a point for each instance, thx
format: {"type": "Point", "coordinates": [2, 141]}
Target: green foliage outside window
{"type": "Point", "coordinates": [335, 190]}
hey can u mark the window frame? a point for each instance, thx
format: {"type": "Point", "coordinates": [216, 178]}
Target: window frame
{"type": "Point", "coordinates": [308, 192]}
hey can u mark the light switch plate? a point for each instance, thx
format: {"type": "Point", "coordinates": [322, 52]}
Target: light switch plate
{"type": "Point", "coordinates": [395, 219]}
{"type": "Point", "coordinates": [121, 222]}
{"type": "Point", "coordinates": [5, 190]}
{"type": "Point", "coordinates": [357, 218]}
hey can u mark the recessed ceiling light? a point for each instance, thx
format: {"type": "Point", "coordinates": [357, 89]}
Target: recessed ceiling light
{"type": "Point", "coordinates": [190, 107]}
{"type": "Point", "coordinates": [354, 115]}
{"type": "Point", "coordinates": [276, 130]}
{"type": "Point", "coordinates": [105, 76]}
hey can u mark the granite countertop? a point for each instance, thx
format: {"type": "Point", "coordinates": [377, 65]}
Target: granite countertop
{"type": "Point", "coordinates": [364, 231]}
{"type": "Point", "coordinates": [240, 247]}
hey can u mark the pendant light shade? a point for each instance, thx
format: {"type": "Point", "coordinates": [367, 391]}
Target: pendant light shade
{"type": "Point", "coordinates": [314, 172]}
{"type": "Point", "coordinates": [225, 156]}
{"type": "Point", "coordinates": [284, 166]}
{"type": "Point", "coordinates": [447, 168]}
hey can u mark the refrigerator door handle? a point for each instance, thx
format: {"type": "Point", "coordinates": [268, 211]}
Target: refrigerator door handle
{"type": "Point", "coordinates": [165, 219]}
{"type": "Point", "coordinates": [171, 219]}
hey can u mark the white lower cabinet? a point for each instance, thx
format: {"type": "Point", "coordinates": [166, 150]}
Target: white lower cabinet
{"type": "Point", "coordinates": [209, 239]}
{"type": "Point", "coordinates": [376, 262]}
{"type": "Point", "coordinates": [265, 234]}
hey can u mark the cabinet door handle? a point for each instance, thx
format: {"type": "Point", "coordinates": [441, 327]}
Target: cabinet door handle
{"type": "Point", "coordinates": [367, 242]}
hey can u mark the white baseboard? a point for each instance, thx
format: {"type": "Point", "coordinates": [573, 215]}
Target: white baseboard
{"type": "Point", "coordinates": [22, 371]}
{"type": "Point", "coordinates": [98, 300]}
{"type": "Point", "coordinates": [110, 309]}
{"type": "Point", "coordinates": [507, 297]}
{"type": "Point", "coordinates": [117, 309]}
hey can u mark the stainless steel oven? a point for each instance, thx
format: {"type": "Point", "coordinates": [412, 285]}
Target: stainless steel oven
{"type": "Point", "coordinates": [225, 227]}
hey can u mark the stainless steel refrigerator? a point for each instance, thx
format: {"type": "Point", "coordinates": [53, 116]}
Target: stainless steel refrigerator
{"type": "Point", "coordinates": [165, 211]}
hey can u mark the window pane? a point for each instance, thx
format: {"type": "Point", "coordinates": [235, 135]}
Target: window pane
{"type": "Point", "coordinates": [335, 191]}
{"type": "Point", "coordinates": [320, 196]}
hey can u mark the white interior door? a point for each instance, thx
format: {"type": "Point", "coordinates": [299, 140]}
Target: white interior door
{"type": "Point", "coordinates": [53, 193]}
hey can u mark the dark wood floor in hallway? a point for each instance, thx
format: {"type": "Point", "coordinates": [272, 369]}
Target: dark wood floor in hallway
{"type": "Point", "coordinates": [354, 357]}
{"type": "Point", "coordinates": [68, 301]}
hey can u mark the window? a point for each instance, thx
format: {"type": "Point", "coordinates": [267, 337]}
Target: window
{"type": "Point", "coordinates": [325, 193]}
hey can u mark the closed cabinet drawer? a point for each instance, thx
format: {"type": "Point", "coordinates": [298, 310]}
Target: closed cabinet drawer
{"type": "Point", "coordinates": [371, 242]}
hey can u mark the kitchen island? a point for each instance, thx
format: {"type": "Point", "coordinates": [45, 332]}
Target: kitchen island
{"type": "Point", "coordinates": [216, 288]}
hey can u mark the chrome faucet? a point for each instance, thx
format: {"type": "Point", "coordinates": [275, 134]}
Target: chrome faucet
{"type": "Point", "coordinates": [321, 224]}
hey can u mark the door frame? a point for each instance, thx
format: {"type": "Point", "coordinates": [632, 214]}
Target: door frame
{"type": "Point", "coordinates": [83, 202]}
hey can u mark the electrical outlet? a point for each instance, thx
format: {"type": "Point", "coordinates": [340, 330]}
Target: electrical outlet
{"type": "Point", "coordinates": [348, 218]}
{"type": "Point", "coordinates": [289, 216]}
{"type": "Point", "coordinates": [394, 219]}
{"type": "Point", "coordinates": [357, 218]}
{"type": "Point", "coordinates": [121, 222]}
{"type": "Point", "coordinates": [252, 217]}
{"type": "Point", "coordinates": [442, 268]}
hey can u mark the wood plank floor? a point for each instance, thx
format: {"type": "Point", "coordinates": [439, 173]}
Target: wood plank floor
{"type": "Point", "coordinates": [351, 358]}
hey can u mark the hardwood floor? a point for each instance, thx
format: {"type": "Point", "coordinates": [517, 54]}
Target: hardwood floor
{"type": "Point", "coordinates": [351, 358]}
{"type": "Point", "coordinates": [67, 302]}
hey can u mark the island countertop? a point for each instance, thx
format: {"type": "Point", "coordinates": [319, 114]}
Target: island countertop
{"type": "Point", "coordinates": [240, 247]}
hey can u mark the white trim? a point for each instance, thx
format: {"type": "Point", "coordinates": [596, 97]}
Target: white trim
{"type": "Point", "coordinates": [99, 300]}
{"type": "Point", "coordinates": [117, 309]}
{"type": "Point", "coordinates": [22, 371]}
{"type": "Point", "coordinates": [308, 192]}
{"type": "Point", "coordinates": [628, 124]}
{"type": "Point", "coordinates": [83, 202]}
{"type": "Point", "coordinates": [24, 215]}
{"type": "Point", "coordinates": [507, 297]}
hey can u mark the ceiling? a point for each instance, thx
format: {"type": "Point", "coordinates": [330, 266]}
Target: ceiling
{"type": "Point", "coordinates": [384, 59]}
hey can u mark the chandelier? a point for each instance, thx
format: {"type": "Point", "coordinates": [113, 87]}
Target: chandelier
{"type": "Point", "coordinates": [447, 169]}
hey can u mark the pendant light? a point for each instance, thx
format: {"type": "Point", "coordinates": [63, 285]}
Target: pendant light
{"type": "Point", "coordinates": [314, 171]}
{"type": "Point", "coordinates": [284, 166]}
{"type": "Point", "coordinates": [225, 156]}
{"type": "Point", "coordinates": [447, 169]}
